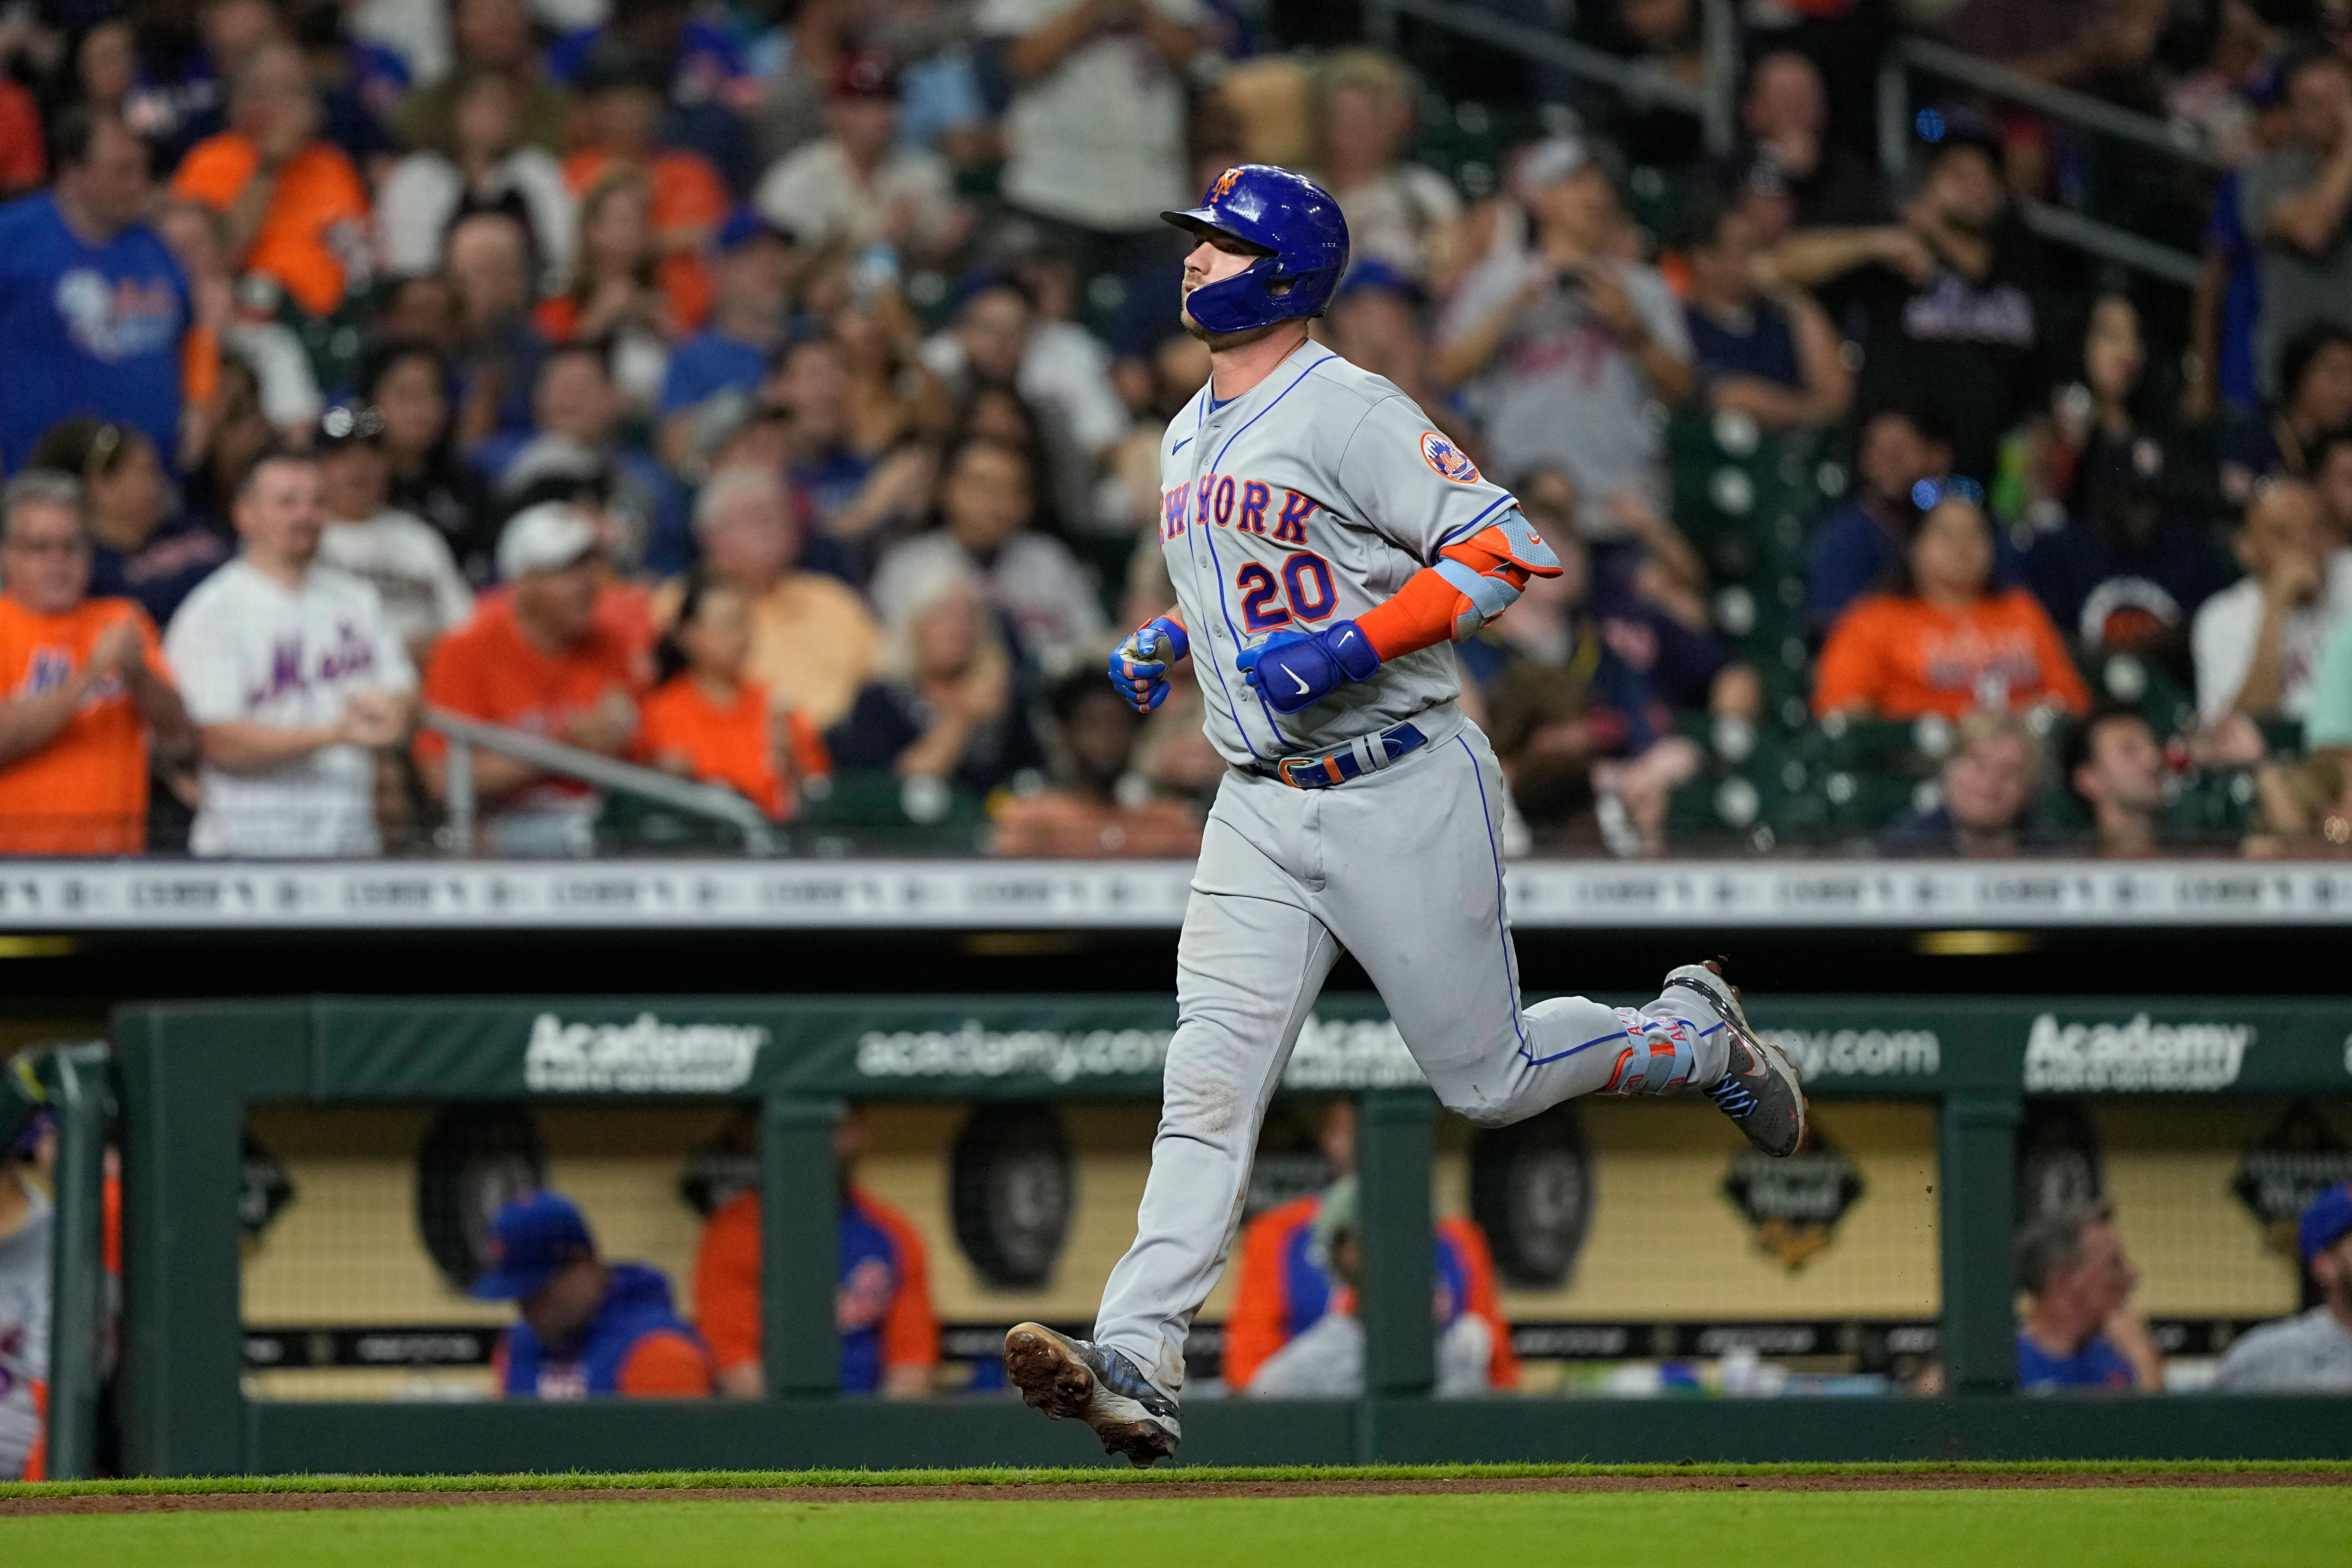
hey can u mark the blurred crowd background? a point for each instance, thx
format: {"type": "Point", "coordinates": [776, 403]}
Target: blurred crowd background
{"type": "Point", "coordinates": [769, 394]}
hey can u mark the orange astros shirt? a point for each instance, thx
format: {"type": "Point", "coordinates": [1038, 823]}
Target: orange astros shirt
{"type": "Point", "coordinates": [318, 190]}
{"type": "Point", "coordinates": [487, 670]}
{"type": "Point", "coordinates": [732, 746]}
{"type": "Point", "coordinates": [1901, 658]}
{"type": "Point", "coordinates": [84, 793]}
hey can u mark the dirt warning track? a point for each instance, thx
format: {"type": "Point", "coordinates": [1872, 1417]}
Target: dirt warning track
{"type": "Point", "coordinates": [1083, 1491]}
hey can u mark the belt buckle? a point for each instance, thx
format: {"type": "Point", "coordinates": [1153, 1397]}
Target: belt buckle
{"type": "Point", "coordinates": [1282, 769]}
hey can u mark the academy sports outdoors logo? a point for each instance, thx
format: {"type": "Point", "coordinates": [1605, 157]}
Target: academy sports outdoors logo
{"type": "Point", "coordinates": [1330, 1054]}
{"type": "Point", "coordinates": [2139, 1055]}
{"type": "Point", "coordinates": [1446, 459]}
{"type": "Point", "coordinates": [645, 1056]}
{"type": "Point", "coordinates": [1860, 1053]}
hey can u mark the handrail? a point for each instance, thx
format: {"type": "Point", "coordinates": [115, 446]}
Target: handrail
{"type": "Point", "coordinates": [2058, 102]}
{"type": "Point", "coordinates": [1637, 80]}
{"type": "Point", "coordinates": [708, 801]}
{"type": "Point", "coordinates": [2062, 225]}
{"type": "Point", "coordinates": [2120, 246]}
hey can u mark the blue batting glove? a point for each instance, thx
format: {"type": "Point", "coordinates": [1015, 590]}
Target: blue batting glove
{"type": "Point", "coordinates": [1138, 666]}
{"type": "Point", "coordinates": [1293, 670]}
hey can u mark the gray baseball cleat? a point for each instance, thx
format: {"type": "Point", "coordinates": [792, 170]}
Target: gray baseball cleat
{"type": "Point", "coordinates": [1096, 1385]}
{"type": "Point", "coordinates": [1759, 1089]}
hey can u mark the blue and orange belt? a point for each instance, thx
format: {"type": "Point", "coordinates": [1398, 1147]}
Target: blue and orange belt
{"type": "Point", "coordinates": [1364, 754]}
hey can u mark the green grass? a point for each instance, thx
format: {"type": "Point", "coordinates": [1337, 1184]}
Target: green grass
{"type": "Point", "coordinates": [670, 1480]}
{"type": "Point", "coordinates": [2285, 1527]}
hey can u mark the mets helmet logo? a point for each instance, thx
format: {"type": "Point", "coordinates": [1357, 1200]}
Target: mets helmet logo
{"type": "Point", "coordinates": [1446, 459]}
{"type": "Point", "coordinates": [1224, 186]}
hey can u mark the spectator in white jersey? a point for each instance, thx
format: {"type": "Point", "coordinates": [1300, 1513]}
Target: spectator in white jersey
{"type": "Point", "coordinates": [2310, 1352]}
{"type": "Point", "coordinates": [294, 678]}
{"type": "Point", "coordinates": [404, 557]}
{"type": "Point", "coordinates": [1565, 345]}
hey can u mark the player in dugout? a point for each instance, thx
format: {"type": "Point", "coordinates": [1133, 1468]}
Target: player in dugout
{"type": "Point", "coordinates": [2310, 1352]}
{"type": "Point", "coordinates": [1291, 1332]}
{"type": "Point", "coordinates": [588, 1328]}
{"type": "Point", "coordinates": [890, 1334]}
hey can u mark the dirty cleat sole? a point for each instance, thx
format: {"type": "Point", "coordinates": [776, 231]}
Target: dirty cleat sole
{"type": "Point", "coordinates": [1760, 1090]}
{"type": "Point", "coordinates": [1074, 1379]}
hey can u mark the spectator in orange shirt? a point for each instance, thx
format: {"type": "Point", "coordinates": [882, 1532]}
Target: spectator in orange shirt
{"type": "Point", "coordinates": [616, 293]}
{"type": "Point", "coordinates": [293, 206]}
{"type": "Point", "coordinates": [705, 722]}
{"type": "Point", "coordinates": [1292, 1331]}
{"type": "Point", "coordinates": [1092, 811]}
{"type": "Point", "coordinates": [1942, 641]}
{"type": "Point", "coordinates": [588, 1328]}
{"type": "Point", "coordinates": [889, 1335]}
{"type": "Point", "coordinates": [85, 686]}
{"type": "Point", "coordinates": [622, 93]}
{"type": "Point", "coordinates": [536, 658]}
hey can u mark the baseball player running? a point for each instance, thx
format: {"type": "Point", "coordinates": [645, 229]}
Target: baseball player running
{"type": "Point", "coordinates": [1327, 542]}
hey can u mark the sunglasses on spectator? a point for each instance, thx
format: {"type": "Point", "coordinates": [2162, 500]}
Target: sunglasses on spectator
{"type": "Point", "coordinates": [1928, 494]}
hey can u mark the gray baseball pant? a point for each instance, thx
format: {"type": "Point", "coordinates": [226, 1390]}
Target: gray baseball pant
{"type": "Point", "coordinates": [1403, 869]}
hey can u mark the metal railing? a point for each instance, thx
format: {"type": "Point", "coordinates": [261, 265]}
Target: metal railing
{"type": "Point", "coordinates": [1639, 81]}
{"type": "Point", "coordinates": [2063, 225]}
{"type": "Point", "coordinates": [708, 801]}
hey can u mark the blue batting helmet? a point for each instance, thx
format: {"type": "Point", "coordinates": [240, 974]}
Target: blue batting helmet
{"type": "Point", "coordinates": [1291, 219]}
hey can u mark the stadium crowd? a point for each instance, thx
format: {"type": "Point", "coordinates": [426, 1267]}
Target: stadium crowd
{"type": "Point", "coordinates": [770, 396]}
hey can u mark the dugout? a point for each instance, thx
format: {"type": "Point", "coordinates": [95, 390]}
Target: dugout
{"type": "Point", "coordinates": [1927, 1104]}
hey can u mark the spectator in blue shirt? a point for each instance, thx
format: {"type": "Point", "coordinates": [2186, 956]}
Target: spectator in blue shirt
{"type": "Point", "coordinates": [577, 410]}
{"type": "Point", "coordinates": [1777, 360]}
{"type": "Point", "coordinates": [2079, 1332]}
{"type": "Point", "coordinates": [752, 287]}
{"type": "Point", "coordinates": [93, 308]}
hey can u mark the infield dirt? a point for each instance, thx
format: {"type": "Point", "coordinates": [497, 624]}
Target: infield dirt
{"type": "Point", "coordinates": [1907, 1481]}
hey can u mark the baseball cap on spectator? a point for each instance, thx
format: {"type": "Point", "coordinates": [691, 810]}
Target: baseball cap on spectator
{"type": "Point", "coordinates": [345, 423]}
{"type": "Point", "coordinates": [1551, 161]}
{"type": "Point", "coordinates": [864, 73]}
{"type": "Point", "coordinates": [1945, 127]}
{"type": "Point", "coordinates": [533, 1240]}
{"type": "Point", "coordinates": [748, 223]}
{"type": "Point", "coordinates": [2324, 1221]}
{"type": "Point", "coordinates": [1377, 277]}
{"type": "Point", "coordinates": [545, 538]}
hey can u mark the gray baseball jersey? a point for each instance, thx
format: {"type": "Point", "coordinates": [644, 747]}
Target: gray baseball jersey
{"type": "Point", "coordinates": [1311, 497]}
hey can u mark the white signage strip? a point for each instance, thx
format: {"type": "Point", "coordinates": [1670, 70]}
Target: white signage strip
{"type": "Point", "coordinates": [122, 895]}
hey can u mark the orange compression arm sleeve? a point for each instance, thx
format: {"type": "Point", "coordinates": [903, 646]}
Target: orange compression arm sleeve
{"type": "Point", "coordinates": [1474, 581]}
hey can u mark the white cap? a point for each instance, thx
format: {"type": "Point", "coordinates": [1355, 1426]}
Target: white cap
{"type": "Point", "coordinates": [1551, 161]}
{"type": "Point", "coordinates": [544, 538]}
